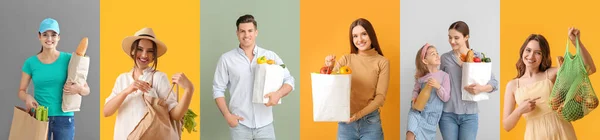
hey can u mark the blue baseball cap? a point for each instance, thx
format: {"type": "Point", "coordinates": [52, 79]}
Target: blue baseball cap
{"type": "Point", "coordinates": [49, 24]}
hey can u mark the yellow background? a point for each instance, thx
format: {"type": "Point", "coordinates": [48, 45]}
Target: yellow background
{"type": "Point", "coordinates": [551, 19]}
{"type": "Point", "coordinates": [323, 33]}
{"type": "Point", "coordinates": [177, 24]}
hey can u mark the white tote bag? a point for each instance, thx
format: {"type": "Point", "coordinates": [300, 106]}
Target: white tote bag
{"type": "Point", "coordinates": [472, 73]}
{"type": "Point", "coordinates": [331, 97]}
{"type": "Point", "coordinates": [77, 73]}
{"type": "Point", "coordinates": [267, 79]}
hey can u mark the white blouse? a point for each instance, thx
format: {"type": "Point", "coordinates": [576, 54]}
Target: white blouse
{"type": "Point", "coordinates": [133, 107]}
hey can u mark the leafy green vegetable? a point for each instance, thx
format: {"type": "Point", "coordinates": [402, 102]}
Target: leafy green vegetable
{"type": "Point", "coordinates": [188, 121]}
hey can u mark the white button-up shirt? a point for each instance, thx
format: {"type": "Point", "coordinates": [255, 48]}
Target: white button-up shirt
{"type": "Point", "coordinates": [236, 72]}
{"type": "Point", "coordinates": [133, 108]}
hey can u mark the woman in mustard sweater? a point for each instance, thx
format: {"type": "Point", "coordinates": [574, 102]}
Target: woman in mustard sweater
{"type": "Point", "coordinates": [370, 78]}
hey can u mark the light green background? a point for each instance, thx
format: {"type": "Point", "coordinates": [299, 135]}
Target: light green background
{"type": "Point", "coordinates": [278, 30]}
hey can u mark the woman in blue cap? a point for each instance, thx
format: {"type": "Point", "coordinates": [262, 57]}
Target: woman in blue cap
{"type": "Point", "coordinates": [48, 71]}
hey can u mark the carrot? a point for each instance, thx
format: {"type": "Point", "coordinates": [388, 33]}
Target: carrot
{"type": "Point", "coordinates": [82, 47]}
{"type": "Point", "coordinates": [463, 57]}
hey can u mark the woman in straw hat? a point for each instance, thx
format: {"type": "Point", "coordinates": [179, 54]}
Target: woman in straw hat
{"type": "Point", "coordinates": [48, 71]}
{"type": "Point", "coordinates": [144, 48]}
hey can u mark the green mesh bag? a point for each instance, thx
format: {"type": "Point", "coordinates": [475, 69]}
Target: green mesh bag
{"type": "Point", "coordinates": [572, 96]}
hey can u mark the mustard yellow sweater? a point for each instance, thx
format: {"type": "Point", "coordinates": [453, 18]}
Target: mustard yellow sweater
{"type": "Point", "coordinates": [370, 80]}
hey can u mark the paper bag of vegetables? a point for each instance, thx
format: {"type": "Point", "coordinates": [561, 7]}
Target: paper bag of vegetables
{"type": "Point", "coordinates": [476, 69]}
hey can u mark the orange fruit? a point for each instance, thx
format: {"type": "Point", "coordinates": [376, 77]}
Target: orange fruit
{"type": "Point", "coordinates": [270, 62]}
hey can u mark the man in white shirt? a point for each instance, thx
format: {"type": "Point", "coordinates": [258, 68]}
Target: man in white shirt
{"type": "Point", "coordinates": [235, 70]}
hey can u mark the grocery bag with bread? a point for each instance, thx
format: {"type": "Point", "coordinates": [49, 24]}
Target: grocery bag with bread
{"type": "Point", "coordinates": [77, 74]}
{"type": "Point", "coordinates": [476, 69]}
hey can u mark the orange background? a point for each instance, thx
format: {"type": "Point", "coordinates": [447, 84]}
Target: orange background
{"type": "Point", "coordinates": [551, 19]}
{"type": "Point", "coordinates": [323, 33]}
{"type": "Point", "coordinates": [177, 24]}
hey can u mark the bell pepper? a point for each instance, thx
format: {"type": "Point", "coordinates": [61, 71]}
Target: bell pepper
{"type": "Point", "coordinates": [485, 59]}
{"type": "Point", "coordinates": [477, 60]}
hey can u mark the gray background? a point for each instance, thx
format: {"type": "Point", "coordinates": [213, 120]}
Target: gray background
{"type": "Point", "coordinates": [278, 30]}
{"type": "Point", "coordinates": [421, 21]}
{"type": "Point", "coordinates": [18, 34]}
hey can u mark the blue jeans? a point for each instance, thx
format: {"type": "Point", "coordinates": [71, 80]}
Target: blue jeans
{"type": "Point", "coordinates": [459, 126]}
{"type": "Point", "coordinates": [241, 132]}
{"type": "Point", "coordinates": [365, 128]}
{"type": "Point", "coordinates": [61, 128]}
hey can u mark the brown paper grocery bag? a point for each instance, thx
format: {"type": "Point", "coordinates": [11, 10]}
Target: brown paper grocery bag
{"type": "Point", "coordinates": [26, 127]}
{"type": "Point", "coordinates": [156, 123]}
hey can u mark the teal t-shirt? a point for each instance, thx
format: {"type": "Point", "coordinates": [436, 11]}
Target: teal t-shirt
{"type": "Point", "coordinates": [48, 81]}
